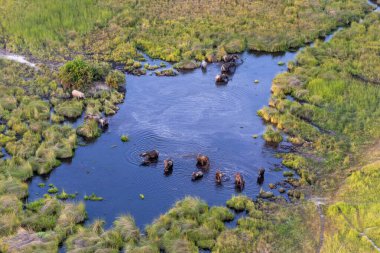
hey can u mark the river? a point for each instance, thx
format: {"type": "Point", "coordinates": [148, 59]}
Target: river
{"type": "Point", "coordinates": [180, 117]}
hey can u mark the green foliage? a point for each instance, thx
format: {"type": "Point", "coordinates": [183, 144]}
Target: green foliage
{"type": "Point", "coordinates": [63, 195]}
{"type": "Point", "coordinates": [124, 138]}
{"type": "Point", "coordinates": [89, 129]}
{"type": "Point", "coordinates": [355, 214]}
{"type": "Point", "coordinates": [166, 72]}
{"type": "Point", "coordinates": [238, 203]}
{"type": "Point", "coordinates": [57, 23]}
{"type": "Point", "coordinates": [76, 74]}
{"type": "Point", "coordinates": [339, 112]}
{"type": "Point", "coordinates": [93, 197]}
{"type": "Point", "coordinates": [70, 108]}
{"type": "Point", "coordinates": [272, 136]}
{"type": "Point", "coordinates": [115, 79]}
{"type": "Point", "coordinates": [187, 65]}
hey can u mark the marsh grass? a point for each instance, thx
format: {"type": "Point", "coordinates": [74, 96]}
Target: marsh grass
{"type": "Point", "coordinates": [90, 129]}
{"type": "Point", "coordinates": [71, 108]}
{"type": "Point", "coordinates": [92, 197]}
{"type": "Point", "coordinates": [272, 136]}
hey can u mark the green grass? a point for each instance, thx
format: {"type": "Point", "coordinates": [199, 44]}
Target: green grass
{"type": "Point", "coordinates": [339, 113]}
{"type": "Point", "coordinates": [272, 136]}
{"type": "Point", "coordinates": [355, 211]}
{"type": "Point", "coordinates": [92, 197]}
{"type": "Point", "coordinates": [58, 23]}
{"type": "Point", "coordinates": [160, 28]}
{"type": "Point", "coordinates": [90, 129]}
{"type": "Point", "coordinates": [124, 138]}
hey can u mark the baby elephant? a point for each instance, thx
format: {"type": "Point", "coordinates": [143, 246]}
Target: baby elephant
{"type": "Point", "coordinates": [196, 175]}
{"type": "Point", "coordinates": [203, 162]}
{"type": "Point", "coordinates": [218, 177]}
{"type": "Point", "coordinates": [149, 157]}
{"type": "Point", "coordinates": [221, 78]}
{"type": "Point", "coordinates": [168, 166]}
{"type": "Point", "coordinates": [239, 181]}
{"type": "Point", "coordinates": [260, 178]}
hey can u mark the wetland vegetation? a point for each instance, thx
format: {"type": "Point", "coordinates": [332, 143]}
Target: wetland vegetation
{"type": "Point", "coordinates": [327, 105]}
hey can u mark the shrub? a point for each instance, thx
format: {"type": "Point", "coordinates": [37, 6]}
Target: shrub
{"type": "Point", "coordinates": [124, 138]}
{"type": "Point", "coordinates": [76, 74]}
{"type": "Point", "coordinates": [231, 241]}
{"type": "Point", "coordinates": [70, 108]}
{"type": "Point", "coordinates": [238, 203]}
{"type": "Point", "coordinates": [115, 79]}
{"type": "Point", "coordinates": [272, 136]}
{"type": "Point", "coordinates": [90, 129]}
{"type": "Point", "coordinates": [125, 225]}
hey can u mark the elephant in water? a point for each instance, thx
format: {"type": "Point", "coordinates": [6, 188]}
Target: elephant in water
{"type": "Point", "coordinates": [204, 64]}
{"type": "Point", "coordinates": [228, 67]}
{"type": "Point", "coordinates": [150, 157]}
{"type": "Point", "coordinates": [221, 78]}
{"type": "Point", "coordinates": [102, 121]}
{"type": "Point", "coordinates": [260, 178]}
{"type": "Point", "coordinates": [239, 181]}
{"type": "Point", "coordinates": [168, 166]}
{"type": "Point", "coordinates": [218, 177]}
{"type": "Point", "coordinates": [196, 175]}
{"type": "Point", "coordinates": [203, 161]}
{"type": "Point", "coordinates": [230, 57]}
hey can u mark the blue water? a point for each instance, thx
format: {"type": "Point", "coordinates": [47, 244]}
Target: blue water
{"type": "Point", "coordinates": [180, 117]}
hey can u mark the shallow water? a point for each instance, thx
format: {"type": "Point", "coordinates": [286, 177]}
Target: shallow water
{"type": "Point", "coordinates": [179, 116]}
{"type": "Point", "coordinates": [17, 58]}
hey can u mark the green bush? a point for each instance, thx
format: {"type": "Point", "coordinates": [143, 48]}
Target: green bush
{"type": "Point", "coordinates": [90, 129]}
{"type": "Point", "coordinates": [70, 108]}
{"type": "Point", "coordinates": [76, 74]}
{"type": "Point", "coordinates": [115, 79]}
{"type": "Point", "coordinates": [272, 136]}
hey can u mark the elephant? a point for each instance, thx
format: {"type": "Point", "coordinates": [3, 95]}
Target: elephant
{"type": "Point", "coordinates": [150, 157]}
{"type": "Point", "coordinates": [203, 161]}
{"type": "Point", "coordinates": [168, 166]}
{"type": "Point", "coordinates": [103, 122]}
{"type": "Point", "coordinates": [228, 67]}
{"type": "Point", "coordinates": [239, 181]}
{"type": "Point", "coordinates": [221, 78]}
{"type": "Point", "coordinates": [196, 175]}
{"type": "Point", "coordinates": [260, 178]}
{"type": "Point", "coordinates": [77, 94]}
{"type": "Point", "coordinates": [218, 177]}
{"type": "Point", "coordinates": [230, 57]}
{"type": "Point", "coordinates": [203, 64]}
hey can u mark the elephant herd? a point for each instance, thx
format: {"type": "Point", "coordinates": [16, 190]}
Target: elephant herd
{"type": "Point", "coordinates": [230, 62]}
{"type": "Point", "coordinates": [202, 163]}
